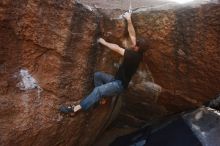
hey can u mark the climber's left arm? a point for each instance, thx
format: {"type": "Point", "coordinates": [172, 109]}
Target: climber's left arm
{"type": "Point", "coordinates": [111, 46]}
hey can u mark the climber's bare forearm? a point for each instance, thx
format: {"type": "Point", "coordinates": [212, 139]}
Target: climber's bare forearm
{"type": "Point", "coordinates": [132, 33]}
{"type": "Point", "coordinates": [131, 30]}
{"type": "Point", "coordinates": [111, 46]}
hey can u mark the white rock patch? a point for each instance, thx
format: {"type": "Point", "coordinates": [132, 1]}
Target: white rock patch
{"type": "Point", "coordinates": [27, 81]}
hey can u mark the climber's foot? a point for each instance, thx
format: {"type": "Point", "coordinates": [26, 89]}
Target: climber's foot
{"type": "Point", "coordinates": [103, 101]}
{"type": "Point", "coordinates": [67, 109]}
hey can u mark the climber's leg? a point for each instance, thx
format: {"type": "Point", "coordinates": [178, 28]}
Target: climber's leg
{"type": "Point", "coordinates": [101, 78]}
{"type": "Point", "coordinates": [110, 89]}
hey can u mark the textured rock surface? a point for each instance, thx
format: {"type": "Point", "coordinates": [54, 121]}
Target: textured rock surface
{"type": "Point", "coordinates": [54, 43]}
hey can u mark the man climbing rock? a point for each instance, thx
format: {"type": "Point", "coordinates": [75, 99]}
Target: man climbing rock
{"type": "Point", "coordinates": [107, 85]}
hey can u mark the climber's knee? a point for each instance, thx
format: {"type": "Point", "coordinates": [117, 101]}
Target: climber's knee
{"type": "Point", "coordinates": [97, 74]}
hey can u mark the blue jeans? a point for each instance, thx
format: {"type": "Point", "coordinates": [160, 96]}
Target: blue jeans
{"type": "Point", "coordinates": [105, 85]}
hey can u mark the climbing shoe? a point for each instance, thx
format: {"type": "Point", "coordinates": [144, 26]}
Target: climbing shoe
{"type": "Point", "coordinates": [103, 101]}
{"type": "Point", "coordinates": [66, 109]}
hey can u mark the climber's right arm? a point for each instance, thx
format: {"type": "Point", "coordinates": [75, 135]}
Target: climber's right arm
{"type": "Point", "coordinates": [131, 30]}
{"type": "Point", "coordinates": [111, 46]}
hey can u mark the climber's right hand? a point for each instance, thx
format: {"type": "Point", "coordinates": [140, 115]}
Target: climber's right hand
{"type": "Point", "coordinates": [127, 16]}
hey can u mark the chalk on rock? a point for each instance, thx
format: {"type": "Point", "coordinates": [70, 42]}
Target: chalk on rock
{"type": "Point", "coordinates": [27, 81]}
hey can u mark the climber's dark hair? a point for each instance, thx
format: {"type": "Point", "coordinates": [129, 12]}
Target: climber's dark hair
{"type": "Point", "coordinates": [143, 44]}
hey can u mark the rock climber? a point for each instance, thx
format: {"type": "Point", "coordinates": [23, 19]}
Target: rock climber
{"type": "Point", "coordinates": [107, 85]}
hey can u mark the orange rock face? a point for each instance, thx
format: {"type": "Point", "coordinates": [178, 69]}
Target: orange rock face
{"type": "Point", "coordinates": [48, 54]}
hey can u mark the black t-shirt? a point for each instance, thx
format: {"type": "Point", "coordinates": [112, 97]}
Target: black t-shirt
{"type": "Point", "coordinates": [128, 67]}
